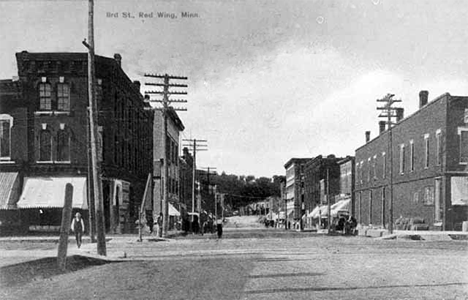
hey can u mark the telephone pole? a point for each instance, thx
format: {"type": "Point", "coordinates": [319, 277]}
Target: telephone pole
{"type": "Point", "coordinates": [195, 145]}
{"type": "Point", "coordinates": [208, 173]}
{"type": "Point", "coordinates": [388, 113]}
{"type": "Point", "coordinates": [166, 107]}
{"type": "Point", "coordinates": [329, 219]}
{"type": "Point", "coordinates": [97, 187]}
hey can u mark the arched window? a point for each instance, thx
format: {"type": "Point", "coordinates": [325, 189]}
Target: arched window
{"type": "Point", "coordinates": [6, 122]}
{"type": "Point", "coordinates": [63, 97]}
{"type": "Point", "coordinates": [63, 145]}
{"type": "Point", "coordinates": [45, 99]}
{"type": "Point", "coordinates": [45, 145]}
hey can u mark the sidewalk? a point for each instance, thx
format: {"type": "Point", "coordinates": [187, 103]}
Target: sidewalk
{"type": "Point", "coordinates": [364, 232]}
{"type": "Point", "coordinates": [414, 235]}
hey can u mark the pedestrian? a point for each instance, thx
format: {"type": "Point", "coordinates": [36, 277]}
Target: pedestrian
{"type": "Point", "coordinates": [77, 226]}
{"type": "Point", "coordinates": [219, 228]}
{"type": "Point", "coordinates": [159, 223]}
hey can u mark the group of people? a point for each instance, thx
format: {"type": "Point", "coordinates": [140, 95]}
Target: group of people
{"type": "Point", "coordinates": [347, 224]}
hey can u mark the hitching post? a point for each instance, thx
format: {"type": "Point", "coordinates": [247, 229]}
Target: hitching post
{"type": "Point", "coordinates": [65, 227]}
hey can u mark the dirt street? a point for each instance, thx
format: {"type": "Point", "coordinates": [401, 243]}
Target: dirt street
{"type": "Point", "coordinates": [254, 264]}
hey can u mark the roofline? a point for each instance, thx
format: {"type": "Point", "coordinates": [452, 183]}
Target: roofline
{"type": "Point", "coordinates": [296, 159]}
{"type": "Point", "coordinates": [346, 159]}
{"type": "Point", "coordinates": [175, 118]}
{"type": "Point", "coordinates": [437, 99]}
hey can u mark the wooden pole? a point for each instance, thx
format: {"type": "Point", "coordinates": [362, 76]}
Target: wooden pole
{"type": "Point", "coordinates": [65, 227]}
{"type": "Point", "coordinates": [101, 237]}
{"type": "Point", "coordinates": [90, 194]}
{"type": "Point", "coordinates": [142, 207]}
{"type": "Point", "coordinates": [165, 206]}
{"type": "Point", "coordinates": [328, 201]}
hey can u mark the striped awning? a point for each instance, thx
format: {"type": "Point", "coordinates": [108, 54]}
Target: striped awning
{"type": "Point", "coordinates": [9, 189]}
{"type": "Point", "coordinates": [49, 192]}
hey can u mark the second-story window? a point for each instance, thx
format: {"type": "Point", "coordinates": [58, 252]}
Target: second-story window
{"type": "Point", "coordinates": [384, 165]}
{"type": "Point", "coordinates": [63, 97]}
{"type": "Point", "coordinates": [402, 159]}
{"type": "Point", "coordinates": [5, 136]}
{"type": "Point", "coordinates": [63, 146]}
{"type": "Point", "coordinates": [45, 98]}
{"type": "Point", "coordinates": [463, 146]}
{"type": "Point", "coordinates": [411, 156]}
{"type": "Point", "coordinates": [369, 166]}
{"type": "Point", "coordinates": [426, 151]}
{"type": "Point", "coordinates": [439, 147]}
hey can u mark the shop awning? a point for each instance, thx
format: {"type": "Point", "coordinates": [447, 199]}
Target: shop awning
{"type": "Point", "coordinates": [173, 211]}
{"type": "Point", "coordinates": [9, 185]}
{"type": "Point", "coordinates": [319, 211]}
{"type": "Point", "coordinates": [342, 206]}
{"type": "Point", "coordinates": [49, 192]}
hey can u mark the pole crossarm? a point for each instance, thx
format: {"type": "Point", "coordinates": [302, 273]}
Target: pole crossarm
{"type": "Point", "coordinates": [166, 92]}
{"type": "Point", "coordinates": [165, 75]}
{"type": "Point", "coordinates": [162, 101]}
{"type": "Point", "coordinates": [165, 103]}
{"type": "Point", "coordinates": [389, 113]}
{"type": "Point", "coordinates": [169, 85]}
{"type": "Point", "coordinates": [191, 140]}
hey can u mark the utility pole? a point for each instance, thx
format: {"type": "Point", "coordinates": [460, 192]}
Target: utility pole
{"type": "Point", "coordinates": [196, 145]}
{"type": "Point", "coordinates": [166, 107]}
{"type": "Point", "coordinates": [328, 201]}
{"type": "Point", "coordinates": [97, 187]}
{"type": "Point", "coordinates": [388, 113]}
{"type": "Point", "coordinates": [90, 194]}
{"type": "Point", "coordinates": [216, 203]}
{"type": "Point", "coordinates": [208, 173]}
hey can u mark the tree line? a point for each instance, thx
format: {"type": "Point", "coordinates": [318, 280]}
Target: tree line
{"type": "Point", "coordinates": [242, 190]}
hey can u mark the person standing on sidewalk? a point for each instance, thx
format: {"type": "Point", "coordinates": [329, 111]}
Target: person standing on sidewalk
{"type": "Point", "coordinates": [77, 226]}
{"type": "Point", "coordinates": [159, 223]}
{"type": "Point", "coordinates": [219, 228]}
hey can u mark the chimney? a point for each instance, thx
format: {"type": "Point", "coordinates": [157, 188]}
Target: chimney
{"type": "Point", "coordinates": [137, 84]}
{"type": "Point", "coordinates": [118, 59]}
{"type": "Point", "coordinates": [400, 113]}
{"type": "Point", "coordinates": [382, 126]}
{"type": "Point", "coordinates": [367, 136]}
{"type": "Point", "coordinates": [423, 98]}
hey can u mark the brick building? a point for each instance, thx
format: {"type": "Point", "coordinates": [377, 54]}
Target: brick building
{"type": "Point", "coordinates": [429, 166]}
{"type": "Point", "coordinates": [316, 185]}
{"type": "Point", "coordinates": [347, 173]}
{"type": "Point", "coordinates": [294, 189]}
{"type": "Point", "coordinates": [174, 127]}
{"type": "Point", "coordinates": [185, 181]}
{"type": "Point", "coordinates": [44, 115]}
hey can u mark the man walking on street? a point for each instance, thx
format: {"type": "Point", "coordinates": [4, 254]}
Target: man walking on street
{"type": "Point", "coordinates": [77, 226]}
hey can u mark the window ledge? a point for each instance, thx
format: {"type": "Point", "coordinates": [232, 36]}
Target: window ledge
{"type": "Point", "coordinates": [44, 162]}
{"type": "Point", "coordinates": [51, 112]}
{"type": "Point", "coordinates": [6, 161]}
{"type": "Point", "coordinates": [62, 162]}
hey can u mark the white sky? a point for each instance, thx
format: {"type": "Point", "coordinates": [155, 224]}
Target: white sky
{"type": "Point", "coordinates": [268, 80]}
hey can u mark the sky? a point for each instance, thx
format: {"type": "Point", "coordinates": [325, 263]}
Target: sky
{"type": "Point", "coordinates": [268, 80]}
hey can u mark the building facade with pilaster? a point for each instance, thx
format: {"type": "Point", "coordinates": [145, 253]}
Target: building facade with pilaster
{"type": "Point", "coordinates": [428, 159]}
